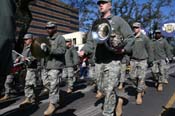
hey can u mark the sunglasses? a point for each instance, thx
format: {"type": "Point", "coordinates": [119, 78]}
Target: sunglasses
{"type": "Point", "coordinates": [102, 2]}
{"type": "Point", "coordinates": [135, 27]}
{"type": "Point", "coordinates": [50, 27]}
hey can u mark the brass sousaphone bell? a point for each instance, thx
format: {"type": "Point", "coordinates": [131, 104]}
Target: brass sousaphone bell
{"type": "Point", "coordinates": [101, 30]}
{"type": "Point", "coordinates": [36, 50]}
{"type": "Point", "coordinates": [103, 33]}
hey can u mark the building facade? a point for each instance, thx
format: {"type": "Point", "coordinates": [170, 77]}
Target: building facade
{"type": "Point", "coordinates": [78, 39]}
{"type": "Point", "coordinates": [65, 16]}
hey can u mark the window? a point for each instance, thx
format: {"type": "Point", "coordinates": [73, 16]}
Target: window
{"type": "Point", "coordinates": [74, 41]}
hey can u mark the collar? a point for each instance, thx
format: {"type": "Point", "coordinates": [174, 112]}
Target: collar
{"type": "Point", "coordinates": [54, 36]}
{"type": "Point", "coordinates": [109, 17]}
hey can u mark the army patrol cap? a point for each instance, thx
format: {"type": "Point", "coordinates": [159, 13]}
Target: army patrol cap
{"type": "Point", "coordinates": [28, 36]}
{"type": "Point", "coordinates": [136, 24]}
{"type": "Point", "coordinates": [98, 2]}
{"type": "Point", "coordinates": [157, 31]}
{"type": "Point", "coordinates": [68, 40]}
{"type": "Point", "coordinates": [50, 24]}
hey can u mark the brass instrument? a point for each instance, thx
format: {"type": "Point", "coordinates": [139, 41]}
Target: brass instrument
{"type": "Point", "coordinates": [103, 33]}
{"type": "Point", "coordinates": [101, 30]}
{"type": "Point", "coordinates": [36, 50]}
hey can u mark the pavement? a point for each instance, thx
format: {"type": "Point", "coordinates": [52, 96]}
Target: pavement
{"type": "Point", "coordinates": [82, 102]}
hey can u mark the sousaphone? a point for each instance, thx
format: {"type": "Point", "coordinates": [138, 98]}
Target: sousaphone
{"type": "Point", "coordinates": [36, 50]}
{"type": "Point", "coordinates": [101, 30]}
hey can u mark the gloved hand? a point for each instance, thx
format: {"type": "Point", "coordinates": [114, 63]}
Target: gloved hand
{"type": "Point", "coordinates": [150, 64]}
{"type": "Point", "coordinates": [44, 47]}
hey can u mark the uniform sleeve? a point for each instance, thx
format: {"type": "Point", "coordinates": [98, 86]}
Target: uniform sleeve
{"type": "Point", "coordinates": [75, 56]}
{"type": "Point", "coordinates": [167, 49]}
{"type": "Point", "coordinates": [60, 48]}
{"type": "Point", "coordinates": [127, 33]}
{"type": "Point", "coordinates": [149, 49]}
{"type": "Point", "coordinates": [89, 47]}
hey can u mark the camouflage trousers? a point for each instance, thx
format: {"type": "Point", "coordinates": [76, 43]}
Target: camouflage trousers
{"type": "Point", "coordinates": [69, 73]}
{"type": "Point", "coordinates": [44, 78]}
{"type": "Point", "coordinates": [138, 71]}
{"type": "Point", "coordinates": [8, 83]}
{"type": "Point", "coordinates": [107, 80]}
{"type": "Point", "coordinates": [30, 83]}
{"type": "Point", "coordinates": [54, 76]}
{"type": "Point", "coordinates": [122, 73]}
{"type": "Point", "coordinates": [92, 73]}
{"type": "Point", "coordinates": [159, 70]}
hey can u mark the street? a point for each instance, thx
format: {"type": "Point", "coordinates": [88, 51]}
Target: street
{"type": "Point", "coordinates": [82, 102]}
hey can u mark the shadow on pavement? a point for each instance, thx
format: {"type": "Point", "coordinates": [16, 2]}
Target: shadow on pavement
{"type": "Point", "coordinates": [168, 112]}
{"type": "Point", "coordinates": [27, 111]}
{"type": "Point", "coordinates": [69, 112]}
{"type": "Point", "coordinates": [66, 99]}
{"type": "Point", "coordinates": [131, 91]}
{"type": "Point", "coordinates": [8, 102]}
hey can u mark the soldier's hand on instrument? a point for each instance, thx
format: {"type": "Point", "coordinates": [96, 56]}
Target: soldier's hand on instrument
{"type": "Point", "coordinates": [43, 47]}
{"type": "Point", "coordinates": [81, 53]}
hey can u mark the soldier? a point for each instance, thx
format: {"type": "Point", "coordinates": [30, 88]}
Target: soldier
{"type": "Point", "coordinates": [107, 67]}
{"type": "Point", "coordinates": [161, 50]}
{"type": "Point", "coordinates": [142, 54]}
{"type": "Point", "coordinates": [9, 80]}
{"type": "Point", "coordinates": [30, 80]}
{"type": "Point", "coordinates": [55, 64]}
{"type": "Point", "coordinates": [72, 61]}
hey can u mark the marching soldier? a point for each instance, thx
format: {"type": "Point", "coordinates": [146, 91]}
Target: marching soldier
{"type": "Point", "coordinates": [72, 61]}
{"type": "Point", "coordinates": [9, 80]}
{"type": "Point", "coordinates": [104, 64]}
{"type": "Point", "coordinates": [142, 54]}
{"type": "Point", "coordinates": [30, 80]}
{"type": "Point", "coordinates": [161, 50]}
{"type": "Point", "coordinates": [55, 64]}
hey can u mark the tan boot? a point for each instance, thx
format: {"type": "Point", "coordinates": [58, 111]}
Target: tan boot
{"type": "Point", "coordinates": [166, 81]}
{"type": "Point", "coordinates": [120, 86]}
{"type": "Point", "coordinates": [26, 101]}
{"type": "Point", "coordinates": [119, 107]}
{"type": "Point", "coordinates": [50, 110]}
{"type": "Point", "coordinates": [99, 95]}
{"type": "Point", "coordinates": [69, 90]}
{"type": "Point", "coordinates": [160, 87]}
{"type": "Point", "coordinates": [139, 99]}
{"type": "Point", "coordinates": [6, 97]}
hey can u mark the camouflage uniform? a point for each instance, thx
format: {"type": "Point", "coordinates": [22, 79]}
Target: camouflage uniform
{"type": "Point", "coordinates": [9, 79]}
{"type": "Point", "coordinates": [72, 60]}
{"type": "Point", "coordinates": [161, 51]}
{"type": "Point", "coordinates": [107, 75]}
{"type": "Point", "coordinates": [30, 80]}
{"type": "Point", "coordinates": [124, 64]}
{"type": "Point", "coordinates": [54, 65]}
{"type": "Point", "coordinates": [44, 78]}
{"type": "Point", "coordinates": [141, 54]}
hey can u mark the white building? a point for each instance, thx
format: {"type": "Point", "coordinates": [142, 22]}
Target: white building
{"type": "Point", "coordinates": [78, 39]}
